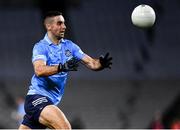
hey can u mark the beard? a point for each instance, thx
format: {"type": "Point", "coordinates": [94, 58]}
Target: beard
{"type": "Point", "coordinates": [60, 36]}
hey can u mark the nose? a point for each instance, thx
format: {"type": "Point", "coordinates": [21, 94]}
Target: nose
{"type": "Point", "coordinates": [64, 26]}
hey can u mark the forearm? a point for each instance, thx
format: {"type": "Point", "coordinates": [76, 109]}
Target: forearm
{"type": "Point", "coordinates": [97, 64]}
{"type": "Point", "coordinates": [94, 65]}
{"type": "Point", "coordinates": [46, 70]}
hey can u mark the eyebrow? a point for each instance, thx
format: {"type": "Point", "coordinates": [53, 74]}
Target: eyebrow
{"type": "Point", "coordinates": [60, 21]}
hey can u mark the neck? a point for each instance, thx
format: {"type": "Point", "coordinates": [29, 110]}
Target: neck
{"type": "Point", "coordinates": [53, 39]}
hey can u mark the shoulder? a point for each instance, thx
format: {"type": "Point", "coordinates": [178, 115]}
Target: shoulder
{"type": "Point", "coordinates": [40, 44]}
{"type": "Point", "coordinates": [69, 43]}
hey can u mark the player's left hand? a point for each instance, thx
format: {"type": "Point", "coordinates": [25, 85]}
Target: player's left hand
{"type": "Point", "coordinates": [106, 61]}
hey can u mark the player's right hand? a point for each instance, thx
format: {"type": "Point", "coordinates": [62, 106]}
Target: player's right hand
{"type": "Point", "coordinates": [70, 65]}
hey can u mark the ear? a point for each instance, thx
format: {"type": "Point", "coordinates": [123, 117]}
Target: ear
{"type": "Point", "coordinates": [48, 26]}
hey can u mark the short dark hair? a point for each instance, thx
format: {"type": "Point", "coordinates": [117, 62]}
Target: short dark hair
{"type": "Point", "coordinates": [52, 14]}
{"type": "Point", "coordinates": [49, 15]}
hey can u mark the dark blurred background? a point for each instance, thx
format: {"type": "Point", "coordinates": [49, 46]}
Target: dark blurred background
{"type": "Point", "coordinates": [140, 91]}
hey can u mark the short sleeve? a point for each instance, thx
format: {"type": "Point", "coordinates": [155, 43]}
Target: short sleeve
{"type": "Point", "coordinates": [77, 52]}
{"type": "Point", "coordinates": [39, 53]}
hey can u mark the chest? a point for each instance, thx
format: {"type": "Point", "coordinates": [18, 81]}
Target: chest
{"type": "Point", "coordinates": [58, 54]}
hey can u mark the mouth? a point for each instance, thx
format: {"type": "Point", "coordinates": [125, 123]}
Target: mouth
{"type": "Point", "coordinates": [62, 32]}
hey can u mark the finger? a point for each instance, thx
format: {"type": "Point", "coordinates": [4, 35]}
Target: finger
{"type": "Point", "coordinates": [73, 60]}
{"type": "Point", "coordinates": [76, 60]}
{"type": "Point", "coordinates": [101, 57]}
{"type": "Point", "coordinates": [73, 69]}
{"type": "Point", "coordinates": [109, 59]}
{"type": "Point", "coordinates": [110, 63]}
{"type": "Point", "coordinates": [109, 66]}
{"type": "Point", "coordinates": [106, 56]}
{"type": "Point", "coordinates": [76, 66]}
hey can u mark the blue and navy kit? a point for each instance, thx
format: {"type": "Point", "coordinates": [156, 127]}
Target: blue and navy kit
{"type": "Point", "coordinates": [48, 90]}
{"type": "Point", "coordinates": [51, 54]}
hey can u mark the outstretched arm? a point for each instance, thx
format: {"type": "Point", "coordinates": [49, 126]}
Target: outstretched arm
{"type": "Point", "coordinates": [97, 64]}
{"type": "Point", "coordinates": [91, 63]}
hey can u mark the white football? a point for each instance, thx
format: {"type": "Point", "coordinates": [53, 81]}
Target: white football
{"type": "Point", "coordinates": [143, 16]}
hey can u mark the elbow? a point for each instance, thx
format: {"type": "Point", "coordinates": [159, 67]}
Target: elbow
{"type": "Point", "coordinates": [39, 72]}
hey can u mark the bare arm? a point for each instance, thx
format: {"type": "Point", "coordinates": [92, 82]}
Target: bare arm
{"type": "Point", "coordinates": [98, 64]}
{"type": "Point", "coordinates": [41, 69]}
{"type": "Point", "coordinates": [91, 63]}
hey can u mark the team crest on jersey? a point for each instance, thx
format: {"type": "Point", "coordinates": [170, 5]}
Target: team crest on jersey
{"type": "Point", "coordinates": [68, 53]}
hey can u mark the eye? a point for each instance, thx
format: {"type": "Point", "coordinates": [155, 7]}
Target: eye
{"type": "Point", "coordinates": [59, 22]}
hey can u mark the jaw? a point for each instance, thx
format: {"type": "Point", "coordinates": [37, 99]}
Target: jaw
{"type": "Point", "coordinates": [59, 37]}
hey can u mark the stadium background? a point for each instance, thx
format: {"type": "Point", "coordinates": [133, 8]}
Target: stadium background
{"type": "Point", "coordinates": [143, 81]}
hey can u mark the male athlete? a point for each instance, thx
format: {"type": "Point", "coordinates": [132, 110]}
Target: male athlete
{"type": "Point", "coordinates": [52, 58]}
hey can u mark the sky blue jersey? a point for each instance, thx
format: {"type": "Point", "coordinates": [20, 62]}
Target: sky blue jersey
{"type": "Point", "coordinates": [51, 54]}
